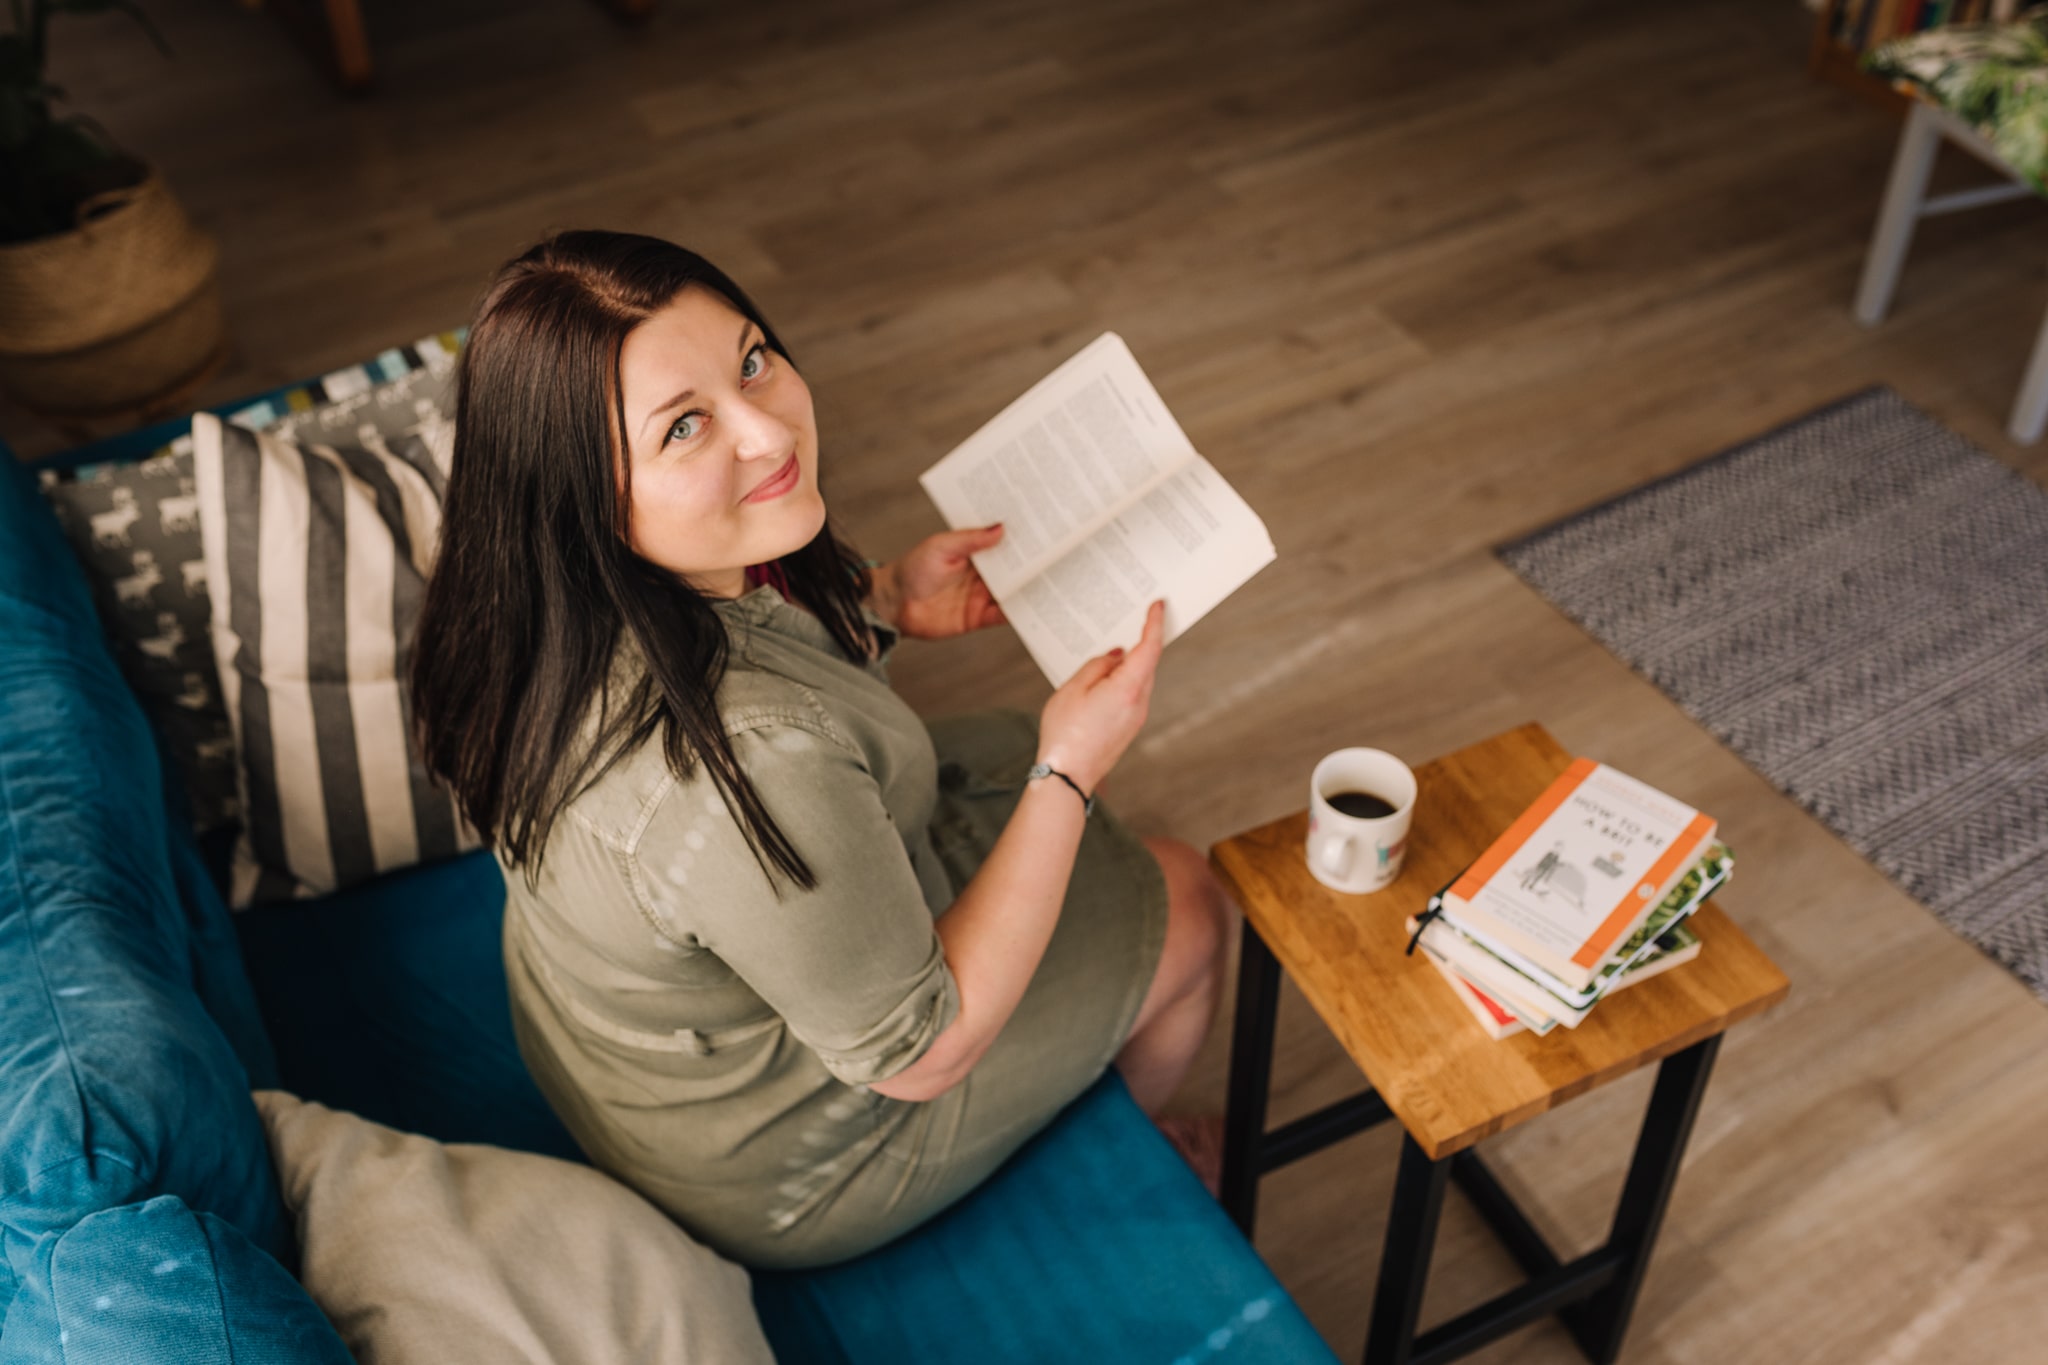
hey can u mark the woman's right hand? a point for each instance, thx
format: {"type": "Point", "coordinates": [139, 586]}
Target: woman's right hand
{"type": "Point", "coordinates": [1093, 717]}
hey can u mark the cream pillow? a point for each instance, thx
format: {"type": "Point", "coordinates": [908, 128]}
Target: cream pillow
{"type": "Point", "coordinates": [444, 1254]}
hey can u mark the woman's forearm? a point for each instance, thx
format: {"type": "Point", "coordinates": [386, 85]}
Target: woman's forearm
{"type": "Point", "coordinates": [996, 932]}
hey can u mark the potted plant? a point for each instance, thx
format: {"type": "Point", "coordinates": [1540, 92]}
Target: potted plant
{"type": "Point", "coordinates": [108, 296]}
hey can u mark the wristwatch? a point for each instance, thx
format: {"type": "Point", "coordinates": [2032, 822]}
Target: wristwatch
{"type": "Point", "coordinates": [1039, 770]}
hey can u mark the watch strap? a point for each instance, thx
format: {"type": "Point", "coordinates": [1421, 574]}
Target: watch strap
{"type": "Point", "coordinates": [1039, 770]}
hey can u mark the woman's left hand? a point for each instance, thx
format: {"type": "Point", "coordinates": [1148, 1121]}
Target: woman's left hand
{"type": "Point", "coordinates": [935, 589]}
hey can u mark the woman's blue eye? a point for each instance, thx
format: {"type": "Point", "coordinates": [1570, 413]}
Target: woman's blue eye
{"type": "Point", "coordinates": [752, 366]}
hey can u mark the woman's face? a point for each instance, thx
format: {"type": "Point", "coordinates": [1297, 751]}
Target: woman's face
{"type": "Point", "coordinates": [723, 445]}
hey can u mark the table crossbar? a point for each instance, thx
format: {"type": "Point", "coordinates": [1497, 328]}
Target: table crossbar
{"type": "Point", "coordinates": [1547, 1293]}
{"type": "Point", "coordinates": [1313, 1132]}
{"type": "Point", "coordinates": [1493, 1203]}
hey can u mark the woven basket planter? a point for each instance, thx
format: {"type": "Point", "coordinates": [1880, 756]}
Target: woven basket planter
{"type": "Point", "coordinates": [122, 310]}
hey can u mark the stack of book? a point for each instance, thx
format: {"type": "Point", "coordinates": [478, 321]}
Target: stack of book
{"type": "Point", "coordinates": [1587, 892]}
{"type": "Point", "coordinates": [1864, 25]}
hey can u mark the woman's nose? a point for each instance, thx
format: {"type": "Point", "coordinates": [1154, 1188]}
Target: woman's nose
{"type": "Point", "coordinates": [760, 434]}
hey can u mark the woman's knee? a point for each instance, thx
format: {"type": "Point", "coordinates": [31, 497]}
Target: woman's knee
{"type": "Point", "coordinates": [1200, 917]}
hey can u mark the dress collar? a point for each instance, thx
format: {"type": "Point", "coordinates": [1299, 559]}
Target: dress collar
{"type": "Point", "coordinates": [766, 607]}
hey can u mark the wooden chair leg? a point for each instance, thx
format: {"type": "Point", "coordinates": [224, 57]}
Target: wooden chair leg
{"type": "Point", "coordinates": [1904, 195]}
{"type": "Point", "coordinates": [2030, 410]}
{"type": "Point", "coordinates": [351, 43]}
{"type": "Point", "coordinates": [332, 34]}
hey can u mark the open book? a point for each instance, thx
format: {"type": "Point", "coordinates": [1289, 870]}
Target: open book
{"type": "Point", "coordinates": [1105, 506]}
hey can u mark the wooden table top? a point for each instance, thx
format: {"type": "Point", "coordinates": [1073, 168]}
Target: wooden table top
{"type": "Point", "coordinates": [1444, 1078]}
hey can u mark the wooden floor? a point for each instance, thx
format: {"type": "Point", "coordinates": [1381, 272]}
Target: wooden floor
{"type": "Point", "coordinates": [1418, 278]}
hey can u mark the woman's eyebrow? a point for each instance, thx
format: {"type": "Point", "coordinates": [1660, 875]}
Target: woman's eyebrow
{"type": "Point", "coordinates": [686, 395]}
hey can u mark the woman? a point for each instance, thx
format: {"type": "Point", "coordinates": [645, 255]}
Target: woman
{"type": "Point", "coordinates": [797, 966]}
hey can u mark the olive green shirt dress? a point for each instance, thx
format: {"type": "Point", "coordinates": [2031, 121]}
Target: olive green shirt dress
{"type": "Point", "coordinates": [710, 1038]}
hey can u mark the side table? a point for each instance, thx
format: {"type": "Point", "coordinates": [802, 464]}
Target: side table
{"type": "Point", "coordinates": [1448, 1083]}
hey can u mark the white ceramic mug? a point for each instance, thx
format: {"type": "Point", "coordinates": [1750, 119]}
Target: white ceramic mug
{"type": "Point", "coordinates": [1349, 853]}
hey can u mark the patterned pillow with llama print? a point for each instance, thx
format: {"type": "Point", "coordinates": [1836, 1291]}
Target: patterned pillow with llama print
{"type": "Point", "coordinates": [135, 528]}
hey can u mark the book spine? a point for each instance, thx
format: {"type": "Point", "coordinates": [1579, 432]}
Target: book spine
{"type": "Point", "coordinates": [1886, 26]}
{"type": "Point", "coordinates": [1533, 977]}
{"type": "Point", "coordinates": [1448, 955]}
{"type": "Point", "coordinates": [1497, 1020]}
{"type": "Point", "coordinates": [1501, 979]}
{"type": "Point", "coordinates": [1717, 871]}
{"type": "Point", "coordinates": [1530, 1002]}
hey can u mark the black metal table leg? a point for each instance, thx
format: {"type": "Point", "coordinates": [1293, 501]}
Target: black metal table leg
{"type": "Point", "coordinates": [1594, 1295]}
{"type": "Point", "coordinates": [1404, 1261]}
{"type": "Point", "coordinates": [1600, 1323]}
{"type": "Point", "coordinates": [1251, 1069]}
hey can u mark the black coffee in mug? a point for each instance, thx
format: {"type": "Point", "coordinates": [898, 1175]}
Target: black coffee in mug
{"type": "Point", "coordinates": [1360, 805]}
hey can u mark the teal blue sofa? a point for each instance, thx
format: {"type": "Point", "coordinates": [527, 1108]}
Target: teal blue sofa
{"type": "Point", "coordinates": [140, 1219]}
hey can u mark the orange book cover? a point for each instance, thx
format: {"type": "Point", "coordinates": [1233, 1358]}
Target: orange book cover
{"type": "Point", "coordinates": [1578, 870]}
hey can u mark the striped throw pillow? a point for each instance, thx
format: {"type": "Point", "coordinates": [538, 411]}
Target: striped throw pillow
{"type": "Point", "coordinates": [316, 556]}
{"type": "Point", "coordinates": [134, 527]}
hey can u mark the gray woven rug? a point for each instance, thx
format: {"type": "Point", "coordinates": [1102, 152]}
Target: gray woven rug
{"type": "Point", "coordinates": [1857, 604]}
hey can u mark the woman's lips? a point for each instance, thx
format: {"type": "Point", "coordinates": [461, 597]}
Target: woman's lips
{"type": "Point", "coordinates": [776, 484]}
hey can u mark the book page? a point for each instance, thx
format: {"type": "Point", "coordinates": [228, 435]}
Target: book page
{"type": "Point", "coordinates": [1191, 540]}
{"type": "Point", "coordinates": [1080, 445]}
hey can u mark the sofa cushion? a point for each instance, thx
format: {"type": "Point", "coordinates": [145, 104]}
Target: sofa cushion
{"type": "Point", "coordinates": [421, 1251]}
{"type": "Point", "coordinates": [155, 1283]}
{"type": "Point", "coordinates": [1094, 1242]}
{"type": "Point", "coordinates": [388, 1000]}
{"type": "Point", "coordinates": [316, 559]}
{"type": "Point", "coordinates": [217, 974]}
{"type": "Point", "coordinates": [111, 1060]}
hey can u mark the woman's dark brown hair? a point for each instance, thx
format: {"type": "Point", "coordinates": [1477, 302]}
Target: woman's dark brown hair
{"type": "Point", "coordinates": [535, 580]}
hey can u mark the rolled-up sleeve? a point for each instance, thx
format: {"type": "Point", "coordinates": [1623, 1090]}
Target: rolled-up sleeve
{"type": "Point", "coordinates": [854, 966]}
